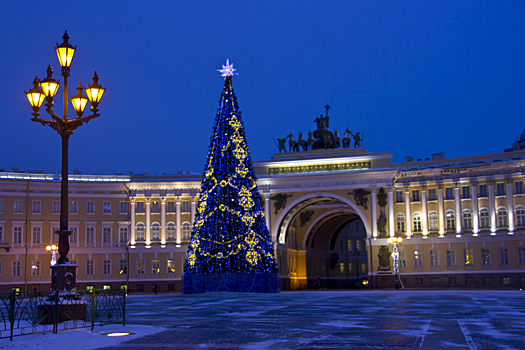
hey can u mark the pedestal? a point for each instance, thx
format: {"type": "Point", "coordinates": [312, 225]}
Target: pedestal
{"type": "Point", "coordinates": [231, 282]}
{"type": "Point", "coordinates": [63, 277]}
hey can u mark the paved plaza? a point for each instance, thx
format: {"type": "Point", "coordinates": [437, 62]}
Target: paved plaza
{"type": "Point", "coordinates": [429, 319]}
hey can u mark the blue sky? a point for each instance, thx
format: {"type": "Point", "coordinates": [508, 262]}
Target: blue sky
{"type": "Point", "coordinates": [415, 77]}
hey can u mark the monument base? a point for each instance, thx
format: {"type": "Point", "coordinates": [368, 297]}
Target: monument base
{"type": "Point", "coordinates": [231, 282]}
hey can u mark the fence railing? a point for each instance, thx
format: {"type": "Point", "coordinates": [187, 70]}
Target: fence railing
{"type": "Point", "coordinates": [24, 313]}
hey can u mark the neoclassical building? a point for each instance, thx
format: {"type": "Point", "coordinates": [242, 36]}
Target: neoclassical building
{"type": "Point", "coordinates": [329, 213]}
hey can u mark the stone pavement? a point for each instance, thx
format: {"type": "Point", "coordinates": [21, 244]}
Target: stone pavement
{"type": "Point", "coordinates": [362, 319]}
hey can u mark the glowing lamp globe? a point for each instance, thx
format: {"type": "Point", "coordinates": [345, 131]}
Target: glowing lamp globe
{"type": "Point", "coordinates": [79, 100]}
{"type": "Point", "coordinates": [94, 91]}
{"type": "Point", "coordinates": [49, 85]}
{"type": "Point", "coordinates": [65, 52]}
{"type": "Point", "coordinates": [35, 95]}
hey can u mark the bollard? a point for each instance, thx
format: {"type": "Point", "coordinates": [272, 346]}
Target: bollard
{"type": "Point", "coordinates": [55, 314]}
{"type": "Point", "coordinates": [92, 309]}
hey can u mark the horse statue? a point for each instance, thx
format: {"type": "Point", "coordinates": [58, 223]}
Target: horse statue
{"type": "Point", "coordinates": [327, 139]}
{"type": "Point", "coordinates": [347, 139]}
{"type": "Point", "coordinates": [301, 142]}
{"type": "Point", "coordinates": [337, 139]}
{"type": "Point", "coordinates": [311, 143]}
{"type": "Point", "coordinates": [294, 147]}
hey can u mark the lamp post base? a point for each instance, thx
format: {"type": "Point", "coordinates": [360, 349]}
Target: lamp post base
{"type": "Point", "coordinates": [63, 277]}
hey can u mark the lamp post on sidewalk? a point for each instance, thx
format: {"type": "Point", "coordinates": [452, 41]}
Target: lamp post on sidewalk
{"type": "Point", "coordinates": [395, 256]}
{"type": "Point", "coordinates": [63, 274]}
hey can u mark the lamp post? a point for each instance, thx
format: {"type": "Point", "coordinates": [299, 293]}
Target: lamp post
{"type": "Point", "coordinates": [53, 249]}
{"type": "Point", "coordinates": [63, 273]}
{"type": "Point", "coordinates": [395, 256]}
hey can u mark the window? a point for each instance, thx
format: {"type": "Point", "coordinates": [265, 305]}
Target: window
{"type": "Point", "coordinates": [107, 207]}
{"type": "Point", "coordinates": [155, 266]}
{"type": "Point", "coordinates": [123, 267]}
{"type": "Point", "coordinates": [35, 268]}
{"type": "Point", "coordinates": [419, 281]}
{"type": "Point", "coordinates": [171, 266]}
{"type": "Point", "coordinates": [106, 267]}
{"type": "Point", "coordinates": [155, 207]}
{"type": "Point", "coordinates": [363, 268]}
{"type": "Point", "coordinates": [17, 234]}
{"type": "Point", "coordinates": [415, 196]}
{"type": "Point", "coordinates": [1, 233]}
{"type": "Point", "coordinates": [483, 190]}
{"type": "Point", "coordinates": [155, 232]}
{"type": "Point", "coordinates": [416, 220]}
{"type": "Point", "coordinates": [518, 187]}
{"type": "Point", "coordinates": [469, 257]}
{"type": "Point", "coordinates": [502, 217]}
{"type": "Point", "coordinates": [54, 235]}
{"type": "Point", "coordinates": [140, 208]}
{"type": "Point", "coordinates": [73, 207]}
{"type": "Point", "coordinates": [504, 256]}
{"type": "Point", "coordinates": [451, 222]}
{"type": "Point", "coordinates": [451, 258]}
{"type": "Point", "coordinates": [186, 231]}
{"type": "Point", "coordinates": [418, 259]}
{"type": "Point", "coordinates": [349, 245]}
{"type": "Point", "coordinates": [358, 245]}
{"type": "Point", "coordinates": [89, 267]}
{"type": "Point", "coordinates": [485, 256]}
{"type": "Point", "coordinates": [55, 207]}
{"type": "Point", "coordinates": [341, 246]}
{"type": "Point", "coordinates": [432, 194]}
{"type": "Point", "coordinates": [467, 220]}
{"type": "Point", "coordinates": [170, 207]}
{"type": "Point", "coordinates": [500, 189]}
{"type": "Point", "coordinates": [402, 259]}
{"type": "Point", "coordinates": [521, 256]}
{"type": "Point", "coordinates": [171, 232]}
{"type": "Point", "coordinates": [433, 221]}
{"type": "Point", "coordinates": [90, 207]}
{"type": "Point", "coordinates": [505, 280]}
{"type": "Point", "coordinates": [1, 207]}
{"type": "Point", "coordinates": [452, 281]}
{"type": "Point", "coordinates": [18, 206]}
{"type": "Point", "coordinates": [140, 267]}
{"type": "Point", "coordinates": [73, 237]}
{"type": "Point", "coordinates": [123, 207]}
{"type": "Point", "coordinates": [434, 258]}
{"type": "Point", "coordinates": [37, 206]}
{"type": "Point", "coordinates": [123, 234]}
{"type": "Point", "coordinates": [36, 234]}
{"type": "Point", "coordinates": [106, 234]}
{"type": "Point", "coordinates": [17, 268]}
{"type": "Point", "coordinates": [465, 192]}
{"type": "Point", "coordinates": [185, 206]}
{"type": "Point", "coordinates": [520, 216]}
{"type": "Point", "coordinates": [342, 267]}
{"type": "Point", "coordinates": [449, 193]}
{"type": "Point", "coordinates": [399, 197]}
{"type": "Point", "coordinates": [90, 235]}
{"type": "Point", "coordinates": [140, 231]}
{"type": "Point", "coordinates": [400, 223]}
{"type": "Point", "coordinates": [484, 218]}
{"type": "Point", "coordinates": [350, 267]}
{"type": "Point", "coordinates": [357, 225]}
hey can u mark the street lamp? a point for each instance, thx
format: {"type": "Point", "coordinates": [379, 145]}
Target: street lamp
{"type": "Point", "coordinates": [63, 272]}
{"type": "Point", "coordinates": [395, 256]}
{"type": "Point", "coordinates": [53, 249]}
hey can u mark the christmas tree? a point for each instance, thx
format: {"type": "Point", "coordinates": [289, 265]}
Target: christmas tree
{"type": "Point", "coordinates": [229, 233]}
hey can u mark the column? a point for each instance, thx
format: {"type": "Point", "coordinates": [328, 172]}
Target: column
{"type": "Point", "coordinates": [475, 208]}
{"type": "Point", "coordinates": [391, 220]}
{"type": "Point", "coordinates": [179, 237]}
{"type": "Point", "coordinates": [132, 228]}
{"type": "Point", "coordinates": [148, 220]}
{"type": "Point", "coordinates": [510, 205]}
{"type": "Point", "coordinates": [441, 209]}
{"type": "Point", "coordinates": [267, 210]}
{"type": "Point", "coordinates": [408, 212]}
{"type": "Point", "coordinates": [163, 219]}
{"type": "Point", "coordinates": [374, 213]}
{"type": "Point", "coordinates": [193, 206]}
{"type": "Point", "coordinates": [457, 201]}
{"type": "Point", "coordinates": [424, 209]}
{"type": "Point", "coordinates": [492, 209]}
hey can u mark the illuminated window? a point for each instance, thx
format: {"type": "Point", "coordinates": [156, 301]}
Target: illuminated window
{"type": "Point", "coordinates": [171, 232]}
{"type": "Point", "coordinates": [73, 207]}
{"type": "Point", "coordinates": [186, 231]}
{"type": "Point", "coordinates": [123, 267]}
{"type": "Point", "coordinates": [155, 265]}
{"type": "Point", "coordinates": [418, 259]}
{"type": "Point", "coordinates": [505, 280]}
{"type": "Point", "coordinates": [433, 221]}
{"type": "Point", "coordinates": [400, 223]}
{"type": "Point", "coordinates": [155, 232]}
{"type": "Point", "coordinates": [469, 257]}
{"type": "Point", "coordinates": [350, 267]}
{"type": "Point", "coordinates": [171, 266]}
{"type": "Point", "coordinates": [350, 245]}
{"type": "Point", "coordinates": [358, 245]}
{"type": "Point", "coordinates": [342, 267]}
{"type": "Point", "coordinates": [140, 231]}
{"type": "Point", "coordinates": [107, 207]}
{"type": "Point", "coordinates": [485, 256]}
{"type": "Point", "coordinates": [416, 220]}
{"type": "Point", "coordinates": [155, 207]}
{"type": "Point", "coordinates": [35, 268]}
{"type": "Point", "coordinates": [363, 268]}
{"type": "Point", "coordinates": [140, 267]}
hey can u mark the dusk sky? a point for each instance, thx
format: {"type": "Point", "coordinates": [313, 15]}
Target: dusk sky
{"type": "Point", "coordinates": [415, 77]}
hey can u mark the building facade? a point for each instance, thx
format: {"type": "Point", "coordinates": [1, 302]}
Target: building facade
{"type": "Point", "coordinates": [329, 213]}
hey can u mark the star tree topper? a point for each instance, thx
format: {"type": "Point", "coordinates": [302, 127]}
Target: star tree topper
{"type": "Point", "coordinates": [227, 70]}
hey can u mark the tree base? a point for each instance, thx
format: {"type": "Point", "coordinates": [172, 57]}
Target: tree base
{"type": "Point", "coordinates": [231, 282]}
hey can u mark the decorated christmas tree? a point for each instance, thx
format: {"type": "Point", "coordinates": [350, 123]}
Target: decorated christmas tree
{"type": "Point", "coordinates": [229, 238]}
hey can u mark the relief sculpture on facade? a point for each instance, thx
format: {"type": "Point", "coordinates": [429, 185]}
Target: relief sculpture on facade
{"type": "Point", "coordinates": [360, 197]}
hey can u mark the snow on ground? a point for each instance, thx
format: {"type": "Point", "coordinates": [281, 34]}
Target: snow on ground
{"type": "Point", "coordinates": [80, 338]}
